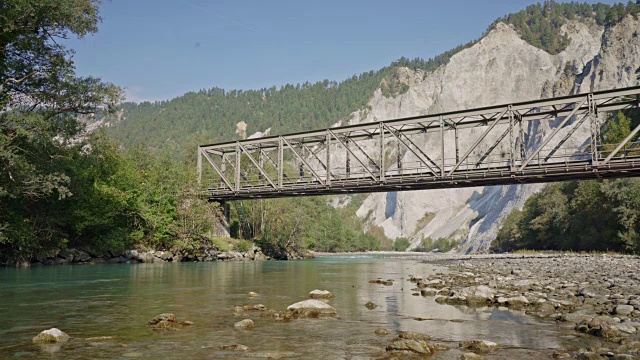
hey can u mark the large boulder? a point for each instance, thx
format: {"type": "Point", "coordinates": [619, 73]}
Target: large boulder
{"type": "Point", "coordinates": [52, 335]}
{"type": "Point", "coordinates": [311, 308]}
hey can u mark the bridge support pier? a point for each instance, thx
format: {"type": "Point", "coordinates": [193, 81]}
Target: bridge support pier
{"type": "Point", "coordinates": [226, 212]}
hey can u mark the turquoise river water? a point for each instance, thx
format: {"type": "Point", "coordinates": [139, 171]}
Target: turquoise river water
{"type": "Point", "coordinates": [116, 301]}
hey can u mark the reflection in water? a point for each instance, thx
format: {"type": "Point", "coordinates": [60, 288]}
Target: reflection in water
{"type": "Point", "coordinates": [118, 300]}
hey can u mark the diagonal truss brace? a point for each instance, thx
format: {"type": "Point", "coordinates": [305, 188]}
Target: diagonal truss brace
{"type": "Point", "coordinates": [315, 155]}
{"type": "Point", "coordinates": [217, 169]}
{"type": "Point", "coordinates": [304, 161]}
{"type": "Point", "coordinates": [621, 145]}
{"type": "Point", "coordinates": [566, 137]}
{"type": "Point", "coordinates": [354, 155]}
{"type": "Point", "coordinates": [479, 140]}
{"type": "Point", "coordinates": [493, 147]}
{"type": "Point", "coordinates": [420, 154]}
{"type": "Point", "coordinates": [555, 131]}
{"type": "Point", "coordinates": [255, 163]}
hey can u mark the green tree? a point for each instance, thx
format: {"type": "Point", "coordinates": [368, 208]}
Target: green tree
{"type": "Point", "coordinates": [40, 99]}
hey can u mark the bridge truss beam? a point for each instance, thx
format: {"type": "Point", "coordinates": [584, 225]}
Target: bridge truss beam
{"type": "Point", "coordinates": [423, 152]}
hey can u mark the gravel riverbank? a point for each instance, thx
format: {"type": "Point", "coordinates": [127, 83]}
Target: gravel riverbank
{"type": "Point", "coordinates": [598, 295]}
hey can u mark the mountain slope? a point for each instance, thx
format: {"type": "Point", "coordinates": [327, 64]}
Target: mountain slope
{"type": "Point", "coordinates": [501, 68]}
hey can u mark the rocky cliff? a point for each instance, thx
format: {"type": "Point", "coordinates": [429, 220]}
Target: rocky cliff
{"type": "Point", "coordinates": [501, 68]}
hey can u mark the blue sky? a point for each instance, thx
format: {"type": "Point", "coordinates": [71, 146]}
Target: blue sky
{"type": "Point", "coordinates": [160, 49]}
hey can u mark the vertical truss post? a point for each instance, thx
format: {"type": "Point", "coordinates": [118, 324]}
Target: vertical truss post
{"type": "Point", "coordinates": [521, 137]}
{"type": "Point", "coordinates": [595, 131]}
{"type": "Point", "coordinates": [199, 167]}
{"type": "Point", "coordinates": [348, 158]}
{"type": "Point", "coordinates": [511, 142]}
{"type": "Point", "coordinates": [455, 131]}
{"type": "Point", "coordinates": [382, 167]}
{"type": "Point", "coordinates": [328, 145]}
{"type": "Point", "coordinates": [260, 165]}
{"type": "Point", "coordinates": [280, 161]}
{"type": "Point", "coordinates": [442, 145]}
{"type": "Point", "coordinates": [238, 158]}
{"type": "Point", "coordinates": [399, 158]}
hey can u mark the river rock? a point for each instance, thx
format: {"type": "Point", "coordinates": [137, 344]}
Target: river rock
{"type": "Point", "coordinates": [252, 294]}
{"type": "Point", "coordinates": [321, 294]}
{"type": "Point", "coordinates": [52, 335]}
{"type": "Point", "coordinates": [471, 356]}
{"type": "Point", "coordinates": [429, 292]}
{"type": "Point", "coordinates": [381, 331]}
{"type": "Point", "coordinates": [588, 292]}
{"type": "Point", "coordinates": [479, 346]}
{"type": "Point", "coordinates": [81, 256]}
{"type": "Point", "coordinates": [163, 321]}
{"type": "Point", "coordinates": [413, 335]}
{"type": "Point", "coordinates": [382, 282]}
{"type": "Point", "coordinates": [311, 308]}
{"type": "Point", "coordinates": [624, 310]}
{"type": "Point", "coordinates": [246, 324]}
{"type": "Point", "coordinates": [257, 307]}
{"type": "Point", "coordinates": [369, 305]}
{"type": "Point", "coordinates": [411, 346]}
{"type": "Point", "coordinates": [517, 302]}
{"type": "Point", "coordinates": [234, 347]}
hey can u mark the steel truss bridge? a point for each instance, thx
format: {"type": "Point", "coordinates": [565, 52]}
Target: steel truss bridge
{"type": "Point", "coordinates": [529, 142]}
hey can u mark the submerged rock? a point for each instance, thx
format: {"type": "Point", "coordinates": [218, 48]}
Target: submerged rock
{"type": "Point", "coordinates": [234, 347]}
{"type": "Point", "coordinates": [471, 356]}
{"type": "Point", "coordinates": [167, 321]}
{"type": "Point", "coordinates": [246, 324]}
{"type": "Point", "coordinates": [163, 321]}
{"type": "Point", "coordinates": [252, 294]}
{"type": "Point", "coordinates": [413, 335]}
{"type": "Point", "coordinates": [52, 335]}
{"type": "Point", "coordinates": [369, 305]}
{"type": "Point", "coordinates": [381, 331]}
{"type": "Point", "coordinates": [411, 346]}
{"type": "Point", "coordinates": [388, 282]}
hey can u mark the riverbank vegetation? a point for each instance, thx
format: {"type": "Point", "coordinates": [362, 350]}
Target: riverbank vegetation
{"type": "Point", "coordinates": [60, 186]}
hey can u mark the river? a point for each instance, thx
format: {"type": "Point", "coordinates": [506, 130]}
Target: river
{"type": "Point", "coordinates": [88, 301]}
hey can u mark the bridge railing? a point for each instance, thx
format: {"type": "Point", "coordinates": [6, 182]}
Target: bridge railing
{"type": "Point", "coordinates": [535, 141]}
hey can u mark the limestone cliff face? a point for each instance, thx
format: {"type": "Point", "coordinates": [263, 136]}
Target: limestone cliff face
{"type": "Point", "coordinates": [501, 68]}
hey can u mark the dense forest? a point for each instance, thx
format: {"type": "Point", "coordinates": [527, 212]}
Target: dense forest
{"type": "Point", "coordinates": [132, 184]}
{"type": "Point", "coordinates": [587, 215]}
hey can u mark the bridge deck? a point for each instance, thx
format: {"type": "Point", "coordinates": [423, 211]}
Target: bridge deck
{"type": "Point", "coordinates": [531, 142]}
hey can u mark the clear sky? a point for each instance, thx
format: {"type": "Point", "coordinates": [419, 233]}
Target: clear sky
{"type": "Point", "coordinates": [160, 49]}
